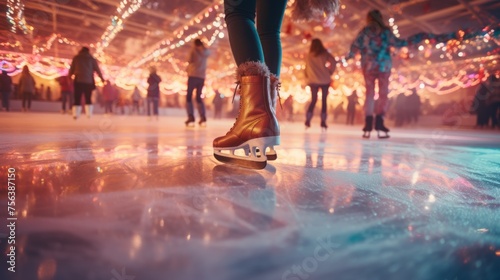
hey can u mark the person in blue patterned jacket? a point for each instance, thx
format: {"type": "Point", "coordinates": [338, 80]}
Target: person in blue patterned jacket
{"type": "Point", "coordinates": [374, 43]}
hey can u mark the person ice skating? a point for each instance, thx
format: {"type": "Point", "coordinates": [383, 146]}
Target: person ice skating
{"type": "Point", "coordinates": [218, 102]}
{"type": "Point", "coordinates": [320, 65]}
{"type": "Point", "coordinates": [109, 95]}
{"type": "Point", "coordinates": [401, 108]}
{"type": "Point", "coordinates": [83, 67]}
{"type": "Point", "coordinates": [352, 101]}
{"type": "Point", "coordinates": [153, 96]}
{"type": "Point", "coordinates": [288, 108]}
{"type": "Point", "coordinates": [414, 103]}
{"type": "Point", "coordinates": [256, 48]}
{"type": "Point", "coordinates": [196, 80]}
{"type": "Point", "coordinates": [493, 86]}
{"type": "Point", "coordinates": [66, 92]}
{"type": "Point", "coordinates": [48, 93]}
{"type": "Point", "coordinates": [374, 43]}
{"type": "Point", "coordinates": [26, 87]}
{"type": "Point", "coordinates": [479, 106]}
{"type": "Point", "coordinates": [136, 100]}
{"type": "Point", "coordinates": [5, 89]}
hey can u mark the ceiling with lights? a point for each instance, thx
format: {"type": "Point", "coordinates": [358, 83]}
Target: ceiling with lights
{"type": "Point", "coordinates": [128, 36]}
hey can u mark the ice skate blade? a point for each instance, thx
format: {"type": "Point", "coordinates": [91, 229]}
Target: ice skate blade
{"type": "Point", "coordinates": [383, 136]}
{"type": "Point", "coordinates": [271, 155]}
{"type": "Point", "coordinates": [366, 135]}
{"type": "Point", "coordinates": [241, 162]}
{"type": "Point", "coordinates": [254, 149]}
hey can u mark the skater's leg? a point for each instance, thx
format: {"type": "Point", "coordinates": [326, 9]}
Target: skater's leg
{"type": "Point", "coordinates": [189, 100]}
{"type": "Point", "coordinates": [243, 37]}
{"type": "Point", "coordinates": [383, 91]}
{"type": "Point", "coordinates": [269, 20]}
{"type": "Point", "coordinates": [370, 93]}
{"type": "Point", "coordinates": [324, 98]}
{"type": "Point", "coordinates": [199, 101]}
{"type": "Point", "coordinates": [324, 106]}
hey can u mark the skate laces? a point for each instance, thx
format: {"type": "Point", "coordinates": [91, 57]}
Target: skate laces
{"type": "Point", "coordinates": [235, 89]}
{"type": "Point", "coordinates": [278, 88]}
{"type": "Point", "coordinates": [238, 85]}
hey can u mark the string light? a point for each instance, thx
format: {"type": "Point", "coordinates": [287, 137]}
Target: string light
{"type": "Point", "coordinates": [124, 10]}
{"type": "Point", "coordinates": [47, 46]}
{"type": "Point", "coordinates": [175, 41]}
{"type": "Point", "coordinates": [15, 17]}
{"type": "Point", "coordinates": [11, 45]}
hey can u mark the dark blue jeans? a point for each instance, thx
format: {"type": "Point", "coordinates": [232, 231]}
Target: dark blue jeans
{"type": "Point", "coordinates": [255, 43]}
{"type": "Point", "coordinates": [83, 89]}
{"type": "Point", "coordinates": [195, 83]}
{"type": "Point", "coordinates": [314, 97]}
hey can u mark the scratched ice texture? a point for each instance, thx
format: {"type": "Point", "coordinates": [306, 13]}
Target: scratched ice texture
{"type": "Point", "coordinates": [127, 198]}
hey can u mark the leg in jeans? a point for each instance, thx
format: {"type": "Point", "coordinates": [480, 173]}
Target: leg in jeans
{"type": "Point", "coordinates": [383, 91]}
{"type": "Point", "coordinates": [243, 36]}
{"type": "Point", "coordinates": [324, 96]}
{"type": "Point", "coordinates": [370, 93]}
{"type": "Point", "coordinates": [314, 97]}
{"type": "Point", "coordinates": [199, 91]}
{"type": "Point", "coordinates": [249, 43]}
{"type": "Point", "coordinates": [78, 94]}
{"type": "Point", "coordinates": [64, 99]}
{"type": "Point", "coordinates": [269, 19]}
{"type": "Point", "coordinates": [88, 94]}
{"type": "Point", "coordinates": [189, 96]}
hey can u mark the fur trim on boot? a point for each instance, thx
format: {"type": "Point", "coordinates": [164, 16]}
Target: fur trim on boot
{"type": "Point", "coordinates": [314, 9]}
{"type": "Point", "coordinates": [252, 68]}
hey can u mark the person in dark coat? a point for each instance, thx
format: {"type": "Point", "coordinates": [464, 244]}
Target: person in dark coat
{"type": "Point", "coordinates": [83, 67]}
{"type": "Point", "coordinates": [153, 92]}
{"type": "Point", "coordinates": [26, 87]}
{"type": "Point", "coordinates": [480, 106]}
{"type": "Point", "coordinates": [218, 102]}
{"type": "Point", "coordinates": [493, 86]}
{"type": "Point", "coordinates": [66, 92]}
{"type": "Point", "coordinates": [5, 89]}
{"type": "Point", "coordinates": [414, 103]}
{"type": "Point", "coordinates": [352, 101]}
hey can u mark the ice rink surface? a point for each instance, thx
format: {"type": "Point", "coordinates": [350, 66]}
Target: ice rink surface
{"type": "Point", "coordinates": [127, 198]}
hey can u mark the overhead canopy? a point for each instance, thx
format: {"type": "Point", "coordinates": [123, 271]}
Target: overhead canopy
{"type": "Point", "coordinates": [135, 33]}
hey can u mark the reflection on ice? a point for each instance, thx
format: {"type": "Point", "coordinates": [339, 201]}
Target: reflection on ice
{"type": "Point", "coordinates": [154, 204]}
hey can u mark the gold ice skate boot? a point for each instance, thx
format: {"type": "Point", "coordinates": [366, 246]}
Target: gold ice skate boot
{"type": "Point", "coordinates": [256, 128]}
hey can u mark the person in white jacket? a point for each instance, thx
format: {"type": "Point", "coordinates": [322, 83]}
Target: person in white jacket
{"type": "Point", "coordinates": [320, 65]}
{"type": "Point", "coordinates": [196, 80]}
